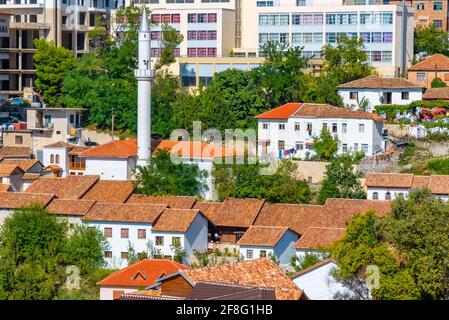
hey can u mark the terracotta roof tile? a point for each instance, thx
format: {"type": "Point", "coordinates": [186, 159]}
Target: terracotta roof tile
{"type": "Point", "coordinates": [4, 187]}
{"type": "Point", "coordinates": [174, 202]}
{"type": "Point", "coordinates": [204, 290]}
{"type": "Point", "coordinates": [14, 200]}
{"type": "Point", "coordinates": [420, 182]}
{"type": "Point", "coordinates": [74, 151]}
{"type": "Point", "coordinates": [255, 273]}
{"type": "Point", "coordinates": [59, 144]}
{"type": "Point", "coordinates": [70, 187]}
{"type": "Point", "coordinates": [375, 82]}
{"type": "Point", "coordinates": [436, 94]}
{"type": "Point", "coordinates": [238, 212]}
{"type": "Point", "coordinates": [197, 149]}
{"type": "Point", "coordinates": [142, 274]}
{"type": "Point", "coordinates": [209, 209]}
{"type": "Point", "coordinates": [125, 212]}
{"type": "Point", "coordinates": [114, 149]}
{"type": "Point", "coordinates": [30, 176]}
{"type": "Point", "coordinates": [391, 180]}
{"type": "Point", "coordinates": [15, 152]}
{"type": "Point", "coordinates": [110, 191]}
{"type": "Point", "coordinates": [262, 236]}
{"type": "Point", "coordinates": [175, 220]}
{"type": "Point", "coordinates": [315, 238]}
{"type": "Point", "coordinates": [283, 112]}
{"type": "Point", "coordinates": [439, 184]}
{"type": "Point", "coordinates": [436, 62]}
{"type": "Point", "coordinates": [8, 169]}
{"type": "Point", "coordinates": [24, 164]}
{"type": "Point", "coordinates": [70, 207]}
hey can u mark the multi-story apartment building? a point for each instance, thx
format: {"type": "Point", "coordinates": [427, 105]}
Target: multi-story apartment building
{"type": "Point", "coordinates": [66, 22]}
{"type": "Point", "coordinates": [428, 12]}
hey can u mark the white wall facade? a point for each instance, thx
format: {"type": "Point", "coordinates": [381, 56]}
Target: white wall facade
{"type": "Point", "coordinates": [110, 168]}
{"type": "Point", "coordinates": [14, 180]}
{"type": "Point", "coordinates": [117, 244]}
{"type": "Point", "coordinates": [254, 252]}
{"type": "Point", "coordinates": [60, 153]}
{"type": "Point", "coordinates": [382, 193]}
{"type": "Point", "coordinates": [374, 96]}
{"type": "Point", "coordinates": [5, 213]}
{"type": "Point", "coordinates": [107, 293]}
{"type": "Point", "coordinates": [319, 284]}
{"type": "Point", "coordinates": [353, 135]}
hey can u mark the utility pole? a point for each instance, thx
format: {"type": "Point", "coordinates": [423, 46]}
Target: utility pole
{"type": "Point", "coordinates": [112, 125]}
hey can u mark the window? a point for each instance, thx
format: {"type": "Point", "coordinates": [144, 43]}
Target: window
{"type": "Point", "coordinates": [334, 127]}
{"type": "Point", "coordinates": [176, 241]}
{"type": "Point", "coordinates": [159, 240]}
{"type": "Point", "coordinates": [375, 196]}
{"type": "Point", "coordinates": [124, 233]}
{"type": "Point", "coordinates": [438, 6]}
{"type": "Point", "coordinates": [19, 139]}
{"type": "Point", "coordinates": [281, 126]}
{"type": "Point", "coordinates": [344, 127]}
{"type": "Point", "coordinates": [421, 76]}
{"type": "Point", "coordinates": [364, 148]}
{"type": "Point", "coordinates": [249, 253]}
{"type": "Point", "coordinates": [324, 126]}
{"type": "Point", "coordinates": [202, 18]}
{"type": "Point", "coordinates": [108, 254]}
{"type": "Point", "coordinates": [438, 23]}
{"type": "Point", "coordinates": [108, 232]}
{"type": "Point", "coordinates": [388, 196]}
{"type": "Point", "coordinates": [309, 126]}
{"type": "Point", "coordinates": [361, 127]}
{"type": "Point", "coordinates": [404, 95]}
{"type": "Point", "coordinates": [299, 145]}
{"type": "Point", "coordinates": [124, 255]}
{"type": "Point", "coordinates": [281, 145]}
{"type": "Point", "coordinates": [420, 6]}
{"type": "Point", "coordinates": [263, 253]}
{"type": "Point", "coordinates": [212, 17]}
{"type": "Point", "coordinates": [345, 147]}
{"type": "Point", "coordinates": [356, 147]}
{"type": "Point", "coordinates": [265, 126]}
{"type": "Point", "coordinates": [33, 18]}
{"type": "Point", "coordinates": [297, 126]}
{"type": "Point", "coordinates": [353, 95]}
{"type": "Point", "coordinates": [141, 233]}
{"type": "Point", "coordinates": [57, 159]}
{"type": "Point", "coordinates": [202, 52]}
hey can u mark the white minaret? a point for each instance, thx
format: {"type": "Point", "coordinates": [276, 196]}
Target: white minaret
{"type": "Point", "coordinates": [144, 75]}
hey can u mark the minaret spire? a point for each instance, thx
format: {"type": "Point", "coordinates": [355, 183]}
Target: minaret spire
{"type": "Point", "coordinates": [144, 75]}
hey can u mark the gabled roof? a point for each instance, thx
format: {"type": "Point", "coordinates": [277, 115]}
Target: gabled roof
{"type": "Point", "coordinates": [315, 238]}
{"type": "Point", "coordinates": [436, 62]}
{"type": "Point", "coordinates": [111, 191]}
{"type": "Point", "coordinates": [70, 187]}
{"type": "Point", "coordinates": [204, 290]}
{"type": "Point", "coordinates": [70, 207]}
{"type": "Point", "coordinates": [24, 164]}
{"type": "Point", "coordinates": [4, 187]}
{"type": "Point", "coordinates": [7, 170]}
{"type": "Point", "coordinates": [313, 110]}
{"type": "Point", "coordinates": [263, 236]}
{"type": "Point", "coordinates": [375, 82]}
{"type": "Point", "coordinates": [391, 180]}
{"type": "Point", "coordinates": [209, 209]}
{"type": "Point", "coordinates": [14, 200]}
{"type": "Point", "coordinates": [114, 149]}
{"type": "Point", "coordinates": [254, 273]}
{"type": "Point", "coordinates": [125, 212]}
{"type": "Point", "coordinates": [439, 184]}
{"type": "Point", "coordinates": [60, 144]}
{"type": "Point", "coordinates": [15, 152]}
{"type": "Point", "coordinates": [174, 202]}
{"type": "Point", "coordinates": [436, 94]}
{"type": "Point", "coordinates": [176, 220]}
{"type": "Point", "coordinates": [142, 274]}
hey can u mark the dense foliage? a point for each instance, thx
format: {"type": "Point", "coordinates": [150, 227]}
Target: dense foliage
{"type": "Point", "coordinates": [438, 83]}
{"type": "Point", "coordinates": [431, 40]}
{"type": "Point", "coordinates": [325, 145]}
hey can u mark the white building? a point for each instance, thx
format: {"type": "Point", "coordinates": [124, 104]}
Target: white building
{"type": "Point", "coordinates": [317, 281]}
{"type": "Point", "coordinates": [314, 239]}
{"type": "Point", "coordinates": [389, 186]}
{"type": "Point", "coordinates": [259, 242]}
{"type": "Point", "coordinates": [289, 130]}
{"type": "Point", "coordinates": [11, 201]}
{"type": "Point", "coordinates": [184, 228]}
{"type": "Point", "coordinates": [71, 211]}
{"type": "Point", "coordinates": [123, 225]}
{"type": "Point", "coordinates": [376, 91]}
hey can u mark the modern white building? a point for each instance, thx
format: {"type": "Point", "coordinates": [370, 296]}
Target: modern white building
{"type": "Point", "coordinates": [371, 91]}
{"type": "Point", "coordinates": [123, 225]}
{"type": "Point", "coordinates": [317, 281]}
{"type": "Point", "coordinates": [182, 228]}
{"type": "Point", "coordinates": [259, 242]}
{"type": "Point", "coordinates": [289, 130]}
{"type": "Point", "coordinates": [389, 186]}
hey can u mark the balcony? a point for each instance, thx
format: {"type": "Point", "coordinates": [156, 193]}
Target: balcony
{"type": "Point", "coordinates": [44, 125]}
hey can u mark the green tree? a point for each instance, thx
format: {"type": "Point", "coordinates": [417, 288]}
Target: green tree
{"type": "Point", "coordinates": [325, 145]}
{"type": "Point", "coordinates": [347, 60]}
{"type": "Point", "coordinates": [163, 177]}
{"type": "Point", "coordinates": [323, 89]}
{"type": "Point", "coordinates": [51, 63]}
{"type": "Point", "coordinates": [340, 180]}
{"type": "Point", "coordinates": [432, 40]}
{"type": "Point", "coordinates": [170, 40]}
{"type": "Point", "coordinates": [438, 83]}
{"type": "Point", "coordinates": [245, 181]}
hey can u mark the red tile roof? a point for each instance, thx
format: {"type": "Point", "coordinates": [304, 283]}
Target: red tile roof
{"type": "Point", "coordinates": [375, 82]}
{"type": "Point", "coordinates": [209, 209]}
{"type": "Point", "coordinates": [315, 238]}
{"type": "Point", "coordinates": [70, 207]}
{"type": "Point", "coordinates": [263, 236]}
{"type": "Point", "coordinates": [7, 170]}
{"type": "Point", "coordinates": [437, 184]}
{"type": "Point", "coordinates": [24, 164]}
{"type": "Point", "coordinates": [436, 62]}
{"type": "Point", "coordinates": [15, 152]}
{"type": "Point", "coordinates": [70, 187]}
{"type": "Point", "coordinates": [4, 187]}
{"type": "Point", "coordinates": [283, 112]}
{"type": "Point", "coordinates": [176, 220]}
{"type": "Point", "coordinates": [174, 202]}
{"type": "Point", "coordinates": [125, 212]}
{"type": "Point", "coordinates": [14, 200]}
{"type": "Point", "coordinates": [436, 94]}
{"type": "Point", "coordinates": [110, 191]}
{"type": "Point", "coordinates": [114, 149]}
{"type": "Point", "coordinates": [60, 144]}
{"type": "Point", "coordinates": [142, 274]}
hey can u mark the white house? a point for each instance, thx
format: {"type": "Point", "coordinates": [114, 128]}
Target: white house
{"type": "Point", "coordinates": [123, 225]}
{"type": "Point", "coordinates": [317, 281]}
{"type": "Point", "coordinates": [389, 186]}
{"type": "Point", "coordinates": [376, 91]}
{"type": "Point", "coordinates": [264, 241]}
{"type": "Point", "coordinates": [71, 211]}
{"type": "Point", "coordinates": [186, 228]}
{"type": "Point", "coordinates": [314, 239]}
{"type": "Point", "coordinates": [289, 130]}
{"type": "Point", "coordinates": [32, 169]}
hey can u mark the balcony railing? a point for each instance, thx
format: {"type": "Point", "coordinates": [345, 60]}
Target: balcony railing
{"type": "Point", "coordinates": [77, 166]}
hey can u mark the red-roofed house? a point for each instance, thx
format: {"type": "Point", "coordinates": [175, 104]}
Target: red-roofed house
{"type": "Point", "coordinates": [139, 275]}
{"type": "Point", "coordinates": [288, 131]}
{"type": "Point", "coordinates": [435, 66]}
